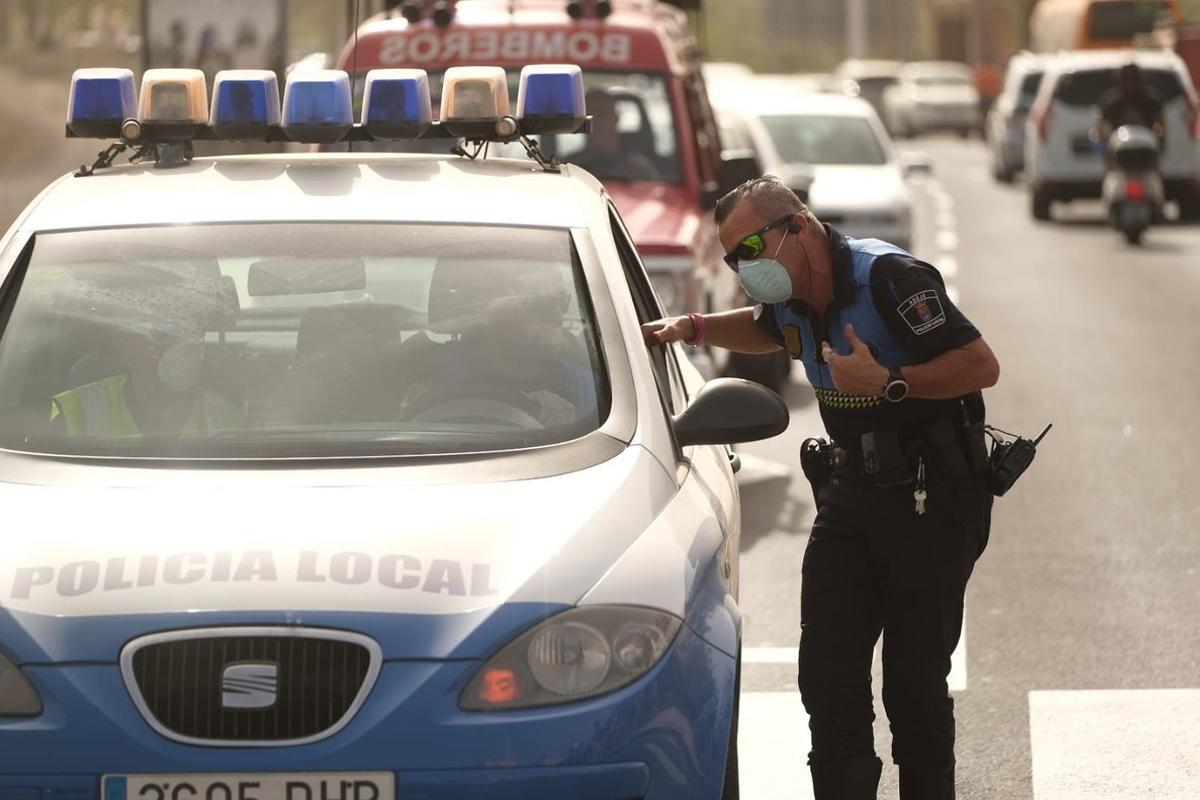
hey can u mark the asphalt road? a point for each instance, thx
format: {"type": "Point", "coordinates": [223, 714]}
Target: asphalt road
{"type": "Point", "coordinates": [1079, 676]}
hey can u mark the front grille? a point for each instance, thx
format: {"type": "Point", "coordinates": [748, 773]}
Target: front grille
{"type": "Point", "coordinates": [321, 677]}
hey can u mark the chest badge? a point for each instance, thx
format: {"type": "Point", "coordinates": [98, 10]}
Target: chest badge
{"type": "Point", "coordinates": [795, 345]}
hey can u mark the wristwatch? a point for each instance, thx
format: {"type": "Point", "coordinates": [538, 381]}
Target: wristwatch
{"type": "Point", "coordinates": [896, 388]}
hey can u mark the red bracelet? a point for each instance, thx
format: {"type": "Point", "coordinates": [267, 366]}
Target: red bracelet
{"type": "Point", "coordinates": [699, 329]}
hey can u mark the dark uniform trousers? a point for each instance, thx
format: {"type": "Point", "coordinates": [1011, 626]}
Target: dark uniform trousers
{"type": "Point", "coordinates": [872, 566]}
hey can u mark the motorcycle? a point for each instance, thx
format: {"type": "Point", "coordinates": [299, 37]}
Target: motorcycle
{"type": "Point", "coordinates": [1133, 191]}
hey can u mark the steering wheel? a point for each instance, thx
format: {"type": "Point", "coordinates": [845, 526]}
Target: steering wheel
{"type": "Point", "coordinates": [474, 402]}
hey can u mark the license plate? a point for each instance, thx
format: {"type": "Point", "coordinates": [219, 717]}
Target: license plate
{"type": "Point", "coordinates": [262, 786]}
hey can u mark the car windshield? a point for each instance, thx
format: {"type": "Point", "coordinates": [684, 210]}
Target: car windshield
{"type": "Point", "coordinates": [1124, 19]}
{"type": "Point", "coordinates": [1086, 87]}
{"type": "Point", "coordinates": [1027, 93]}
{"type": "Point", "coordinates": [804, 139]}
{"type": "Point", "coordinates": [299, 341]}
{"type": "Point", "coordinates": [633, 129]}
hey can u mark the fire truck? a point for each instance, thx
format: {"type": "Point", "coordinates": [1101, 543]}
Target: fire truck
{"type": "Point", "coordinates": [655, 142]}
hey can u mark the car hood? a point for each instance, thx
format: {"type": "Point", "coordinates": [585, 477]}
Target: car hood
{"type": "Point", "coordinates": [658, 215]}
{"type": "Point", "coordinates": [428, 571]}
{"type": "Point", "coordinates": [850, 189]}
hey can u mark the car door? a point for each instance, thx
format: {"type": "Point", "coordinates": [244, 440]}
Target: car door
{"type": "Point", "coordinates": [704, 472]}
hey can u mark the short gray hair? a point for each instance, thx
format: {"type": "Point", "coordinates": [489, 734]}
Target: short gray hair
{"type": "Point", "coordinates": [771, 198]}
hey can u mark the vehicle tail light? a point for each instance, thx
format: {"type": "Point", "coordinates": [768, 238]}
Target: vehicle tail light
{"type": "Point", "coordinates": [1135, 190]}
{"type": "Point", "coordinates": [1193, 116]}
{"type": "Point", "coordinates": [1042, 119]}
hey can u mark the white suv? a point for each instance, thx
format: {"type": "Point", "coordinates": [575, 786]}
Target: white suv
{"type": "Point", "coordinates": [1062, 159]}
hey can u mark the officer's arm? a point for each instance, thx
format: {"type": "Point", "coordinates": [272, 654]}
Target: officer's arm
{"type": "Point", "coordinates": [954, 373]}
{"type": "Point", "coordinates": [731, 330]}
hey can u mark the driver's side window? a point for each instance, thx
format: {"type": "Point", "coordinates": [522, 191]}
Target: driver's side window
{"type": "Point", "coordinates": [666, 373]}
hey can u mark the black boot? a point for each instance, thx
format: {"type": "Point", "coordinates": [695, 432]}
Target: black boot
{"type": "Point", "coordinates": [927, 784]}
{"type": "Point", "coordinates": [851, 779]}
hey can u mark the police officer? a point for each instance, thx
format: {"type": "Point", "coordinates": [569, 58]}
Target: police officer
{"type": "Point", "coordinates": [903, 505]}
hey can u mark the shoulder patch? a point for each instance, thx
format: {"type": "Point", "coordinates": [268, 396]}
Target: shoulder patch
{"type": "Point", "coordinates": [795, 345]}
{"type": "Point", "coordinates": [923, 312]}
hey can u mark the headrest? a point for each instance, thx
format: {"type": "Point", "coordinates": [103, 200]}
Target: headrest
{"type": "Point", "coordinates": [467, 293]}
{"type": "Point", "coordinates": [352, 328]}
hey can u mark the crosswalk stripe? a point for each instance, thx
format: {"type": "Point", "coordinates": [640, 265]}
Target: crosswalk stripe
{"type": "Point", "coordinates": [958, 661]}
{"type": "Point", "coordinates": [1115, 745]}
{"type": "Point", "coordinates": [769, 655]}
{"type": "Point", "coordinates": [773, 743]}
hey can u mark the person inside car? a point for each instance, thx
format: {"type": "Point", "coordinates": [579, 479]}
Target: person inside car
{"type": "Point", "coordinates": [603, 155]}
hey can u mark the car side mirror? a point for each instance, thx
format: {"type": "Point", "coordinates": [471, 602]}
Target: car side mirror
{"type": "Point", "coordinates": [731, 411]}
{"type": "Point", "coordinates": [737, 167]}
{"type": "Point", "coordinates": [913, 163]}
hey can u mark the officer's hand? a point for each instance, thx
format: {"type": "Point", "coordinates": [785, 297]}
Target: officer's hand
{"type": "Point", "coordinates": [665, 331]}
{"type": "Point", "coordinates": [856, 373]}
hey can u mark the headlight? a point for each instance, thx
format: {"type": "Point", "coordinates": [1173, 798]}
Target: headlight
{"type": "Point", "coordinates": [18, 698]}
{"type": "Point", "coordinates": [575, 655]}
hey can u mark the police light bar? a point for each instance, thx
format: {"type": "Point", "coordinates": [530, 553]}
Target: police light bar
{"type": "Point", "coordinates": [551, 99]}
{"type": "Point", "coordinates": [396, 104]}
{"type": "Point", "coordinates": [173, 103]}
{"type": "Point", "coordinates": [101, 99]}
{"type": "Point", "coordinates": [245, 104]}
{"type": "Point", "coordinates": [475, 103]}
{"type": "Point", "coordinates": [317, 107]}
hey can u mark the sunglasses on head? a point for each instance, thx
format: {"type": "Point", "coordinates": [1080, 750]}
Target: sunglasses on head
{"type": "Point", "coordinates": [753, 245]}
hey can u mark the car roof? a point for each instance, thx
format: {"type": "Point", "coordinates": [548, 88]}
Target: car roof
{"type": "Point", "coordinates": [1075, 60]}
{"type": "Point", "coordinates": [917, 68]}
{"type": "Point", "coordinates": [341, 187]}
{"type": "Point", "coordinates": [869, 68]}
{"type": "Point", "coordinates": [826, 103]}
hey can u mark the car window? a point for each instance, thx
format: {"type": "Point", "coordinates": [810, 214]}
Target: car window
{"type": "Point", "coordinates": [1165, 83]}
{"type": "Point", "coordinates": [804, 139]}
{"type": "Point", "coordinates": [299, 341]}
{"type": "Point", "coordinates": [633, 128]}
{"type": "Point", "coordinates": [670, 386]}
{"type": "Point", "coordinates": [1028, 90]}
{"type": "Point", "coordinates": [1124, 19]}
{"type": "Point", "coordinates": [1084, 87]}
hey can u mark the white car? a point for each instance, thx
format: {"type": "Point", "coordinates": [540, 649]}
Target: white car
{"type": "Point", "coordinates": [834, 150]}
{"type": "Point", "coordinates": [933, 96]}
{"type": "Point", "coordinates": [1006, 120]}
{"type": "Point", "coordinates": [350, 475]}
{"type": "Point", "coordinates": [1064, 160]}
{"type": "Point", "coordinates": [870, 80]}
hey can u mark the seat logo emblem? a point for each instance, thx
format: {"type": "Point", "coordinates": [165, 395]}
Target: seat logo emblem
{"type": "Point", "coordinates": [249, 685]}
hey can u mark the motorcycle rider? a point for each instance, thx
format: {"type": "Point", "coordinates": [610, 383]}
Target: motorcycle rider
{"type": "Point", "coordinates": [1131, 102]}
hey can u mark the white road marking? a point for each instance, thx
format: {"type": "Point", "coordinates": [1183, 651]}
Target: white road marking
{"type": "Point", "coordinates": [952, 293]}
{"type": "Point", "coordinates": [946, 241]}
{"type": "Point", "coordinates": [760, 470]}
{"type": "Point", "coordinates": [770, 655]}
{"type": "Point", "coordinates": [947, 265]}
{"type": "Point", "coordinates": [958, 661]}
{"type": "Point", "coordinates": [1115, 745]}
{"type": "Point", "coordinates": [946, 220]}
{"type": "Point", "coordinates": [773, 743]}
{"type": "Point", "coordinates": [942, 199]}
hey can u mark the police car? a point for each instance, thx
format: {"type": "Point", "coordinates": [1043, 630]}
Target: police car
{"type": "Point", "coordinates": [350, 476]}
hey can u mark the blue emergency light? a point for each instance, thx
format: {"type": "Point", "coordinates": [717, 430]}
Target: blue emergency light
{"type": "Point", "coordinates": [101, 99]}
{"type": "Point", "coordinates": [550, 99]}
{"type": "Point", "coordinates": [396, 104]}
{"type": "Point", "coordinates": [245, 104]}
{"type": "Point", "coordinates": [317, 107]}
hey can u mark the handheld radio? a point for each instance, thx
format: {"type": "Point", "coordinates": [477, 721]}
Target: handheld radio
{"type": "Point", "coordinates": [1009, 460]}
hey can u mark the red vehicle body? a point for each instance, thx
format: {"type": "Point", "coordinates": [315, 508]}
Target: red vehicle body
{"type": "Point", "coordinates": [644, 57]}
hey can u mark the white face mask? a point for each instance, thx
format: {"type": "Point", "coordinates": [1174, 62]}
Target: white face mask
{"type": "Point", "coordinates": [180, 365]}
{"type": "Point", "coordinates": [765, 279]}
